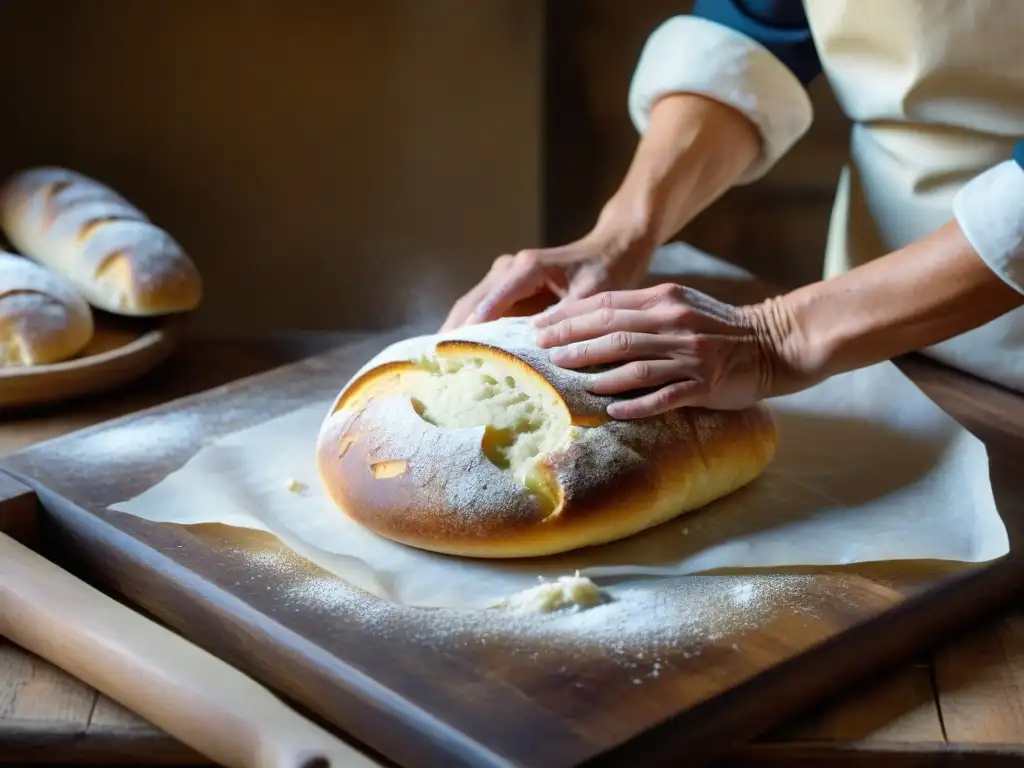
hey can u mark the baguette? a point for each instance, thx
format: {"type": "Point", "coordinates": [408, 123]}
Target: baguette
{"type": "Point", "coordinates": [113, 254]}
{"type": "Point", "coordinates": [43, 319]}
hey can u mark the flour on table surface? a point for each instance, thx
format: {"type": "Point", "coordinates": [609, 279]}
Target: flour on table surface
{"type": "Point", "coordinates": [868, 469]}
{"type": "Point", "coordinates": [564, 593]}
{"type": "Point", "coordinates": [636, 625]}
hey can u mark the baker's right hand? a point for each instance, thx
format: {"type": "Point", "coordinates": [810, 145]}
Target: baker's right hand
{"type": "Point", "coordinates": [608, 258]}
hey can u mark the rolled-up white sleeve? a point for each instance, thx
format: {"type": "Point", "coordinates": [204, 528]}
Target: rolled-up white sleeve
{"type": "Point", "coordinates": [990, 211]}
{"type": "Point", "coordinates": [689, 54]}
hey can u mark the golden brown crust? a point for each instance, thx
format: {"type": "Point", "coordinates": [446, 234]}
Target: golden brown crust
{"type": "Point", "coordinates": [152, 289]}
{"type": "Point", "coordinates": [117, 259]}
{"type": "Point", "coordinates": [42, 319]}
{"type": "Point", "coordinates": [397, 504]}
{"type": "Point", "coordinates": [372, 382]}
{"type": "Point", "coordinates": [435, 489]}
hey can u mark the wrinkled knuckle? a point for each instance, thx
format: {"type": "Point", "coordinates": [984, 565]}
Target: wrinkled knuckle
{"type": "Point", "coordinates": [621, 341]}
{"type": "Point", "coordinates": [556, 334]}
{"type": "Point", "coordinates": [605, 317]}
{"type": "Point", "coordinates": [666, 397]}
{"type": "Point", "coordinates": [640, 371]}
{"type": "Point", "coordinates": [658, 295]}
{"type": "Point", "coordinates": [604, 301]}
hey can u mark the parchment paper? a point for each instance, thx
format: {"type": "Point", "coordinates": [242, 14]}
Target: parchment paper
{"type": "Point", "coordinates": [868, 469]}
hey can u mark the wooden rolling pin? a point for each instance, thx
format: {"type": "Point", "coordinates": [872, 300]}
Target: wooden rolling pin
{"type": "Point", "coordinates": [192, 695]}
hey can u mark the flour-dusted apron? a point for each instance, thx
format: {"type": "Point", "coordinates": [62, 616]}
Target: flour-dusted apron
{"type": "Point", "coordinates": [935, 89]}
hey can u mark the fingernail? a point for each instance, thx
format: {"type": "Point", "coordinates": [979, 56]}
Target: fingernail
{"type": "Point", "coordinates": [558, 353]}
{"type": "Point", "coordinates": [614, 410]}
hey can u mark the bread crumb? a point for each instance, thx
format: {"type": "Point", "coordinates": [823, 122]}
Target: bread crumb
{"type": "Point", "coordinates": [295, 486]}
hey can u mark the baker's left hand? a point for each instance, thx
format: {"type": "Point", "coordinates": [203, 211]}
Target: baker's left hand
{"type": "Point", "coordinates": [682, 346]}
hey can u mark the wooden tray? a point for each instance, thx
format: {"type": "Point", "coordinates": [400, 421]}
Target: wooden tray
{"type": "Point", "coordinates": [423, 704]}
{"type": "Point", "coordinates": [122, 350]}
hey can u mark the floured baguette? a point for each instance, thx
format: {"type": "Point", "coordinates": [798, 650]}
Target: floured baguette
{"type": "Point", "coordinates": [43, 320]}
{"type": "Point", "coordinates": [116, 258]}
{"type": "Point", "coordinates": [473, 443]}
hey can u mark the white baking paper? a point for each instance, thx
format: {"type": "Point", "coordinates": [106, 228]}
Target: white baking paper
{"type": "Point", "coordinates": [868, 469]}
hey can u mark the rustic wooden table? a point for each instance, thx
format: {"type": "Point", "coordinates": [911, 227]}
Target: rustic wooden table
{"type": "Point", "coordinates": [963, 702]}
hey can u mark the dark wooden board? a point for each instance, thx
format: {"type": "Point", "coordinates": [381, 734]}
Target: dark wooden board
{"type": "Point", "coordinates": [424, 705]}
{"type": "Point", "coordinates": [18, 509]}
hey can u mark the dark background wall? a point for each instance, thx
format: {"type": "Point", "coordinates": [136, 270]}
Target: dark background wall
{"type": "Point", "coordinates": [328, 163]}
{"type": "Point", "coordinates": [360, 163]}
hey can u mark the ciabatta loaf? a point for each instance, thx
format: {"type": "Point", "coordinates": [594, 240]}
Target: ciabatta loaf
{"type": "Point", "coordinates": [473, 443]}
{"type": "Point", "coordinates": [42, 318]}
{"type": "Point", "coordinates": [117, 259]}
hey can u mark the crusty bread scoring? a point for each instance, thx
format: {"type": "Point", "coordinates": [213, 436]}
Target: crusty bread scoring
{"type": "Point", "coordinates": [117, 259]}
{"type": "Point", "coordinates": [42, 319]}
{"type": "Point", "coordinates": [473, 443]}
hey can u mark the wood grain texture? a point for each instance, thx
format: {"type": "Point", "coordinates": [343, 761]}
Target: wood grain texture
{"type": "Point", "coordinates": [890, 719]}
{"type": "Point", "coordinates": [984, 667]}
{"type": "Point", "coordinates": [188, 692]}
{"type": "Point", "coordinates": [898, 707]}
{"type": "Point", "coordinates": [36, 722]}
{"type": "Point", "coordinates": [403, 699]}
{"type": "Point", "coordinates": [48, 716]}
{"type": "Point", "coordinates": [847, 755]}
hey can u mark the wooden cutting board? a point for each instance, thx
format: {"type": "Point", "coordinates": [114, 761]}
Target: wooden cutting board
{"type": "Point", "coordinates": [421, 701]}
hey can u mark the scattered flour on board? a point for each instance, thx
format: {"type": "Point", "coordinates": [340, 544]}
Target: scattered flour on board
{"type": "Point", "coordinates": [169, 435]}
{"type": "Point", "coordinates": [641, 626]}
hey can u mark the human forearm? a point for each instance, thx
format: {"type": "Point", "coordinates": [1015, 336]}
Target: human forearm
{"type": "Point", "coordinates": [693, 151]}
{"type": "Point", "coordinates": [717, 97]}
{"type": "Point", "coordinates": [930, 291]}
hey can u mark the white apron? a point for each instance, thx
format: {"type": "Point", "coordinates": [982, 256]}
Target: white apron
{"type": "Point", "coordinates": [935, 89]}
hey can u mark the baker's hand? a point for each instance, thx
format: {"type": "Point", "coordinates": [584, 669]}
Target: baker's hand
{"type": "Point", "coordinates": [681, 346]}
{"type": "Point", "coordinates": [616, 254]}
